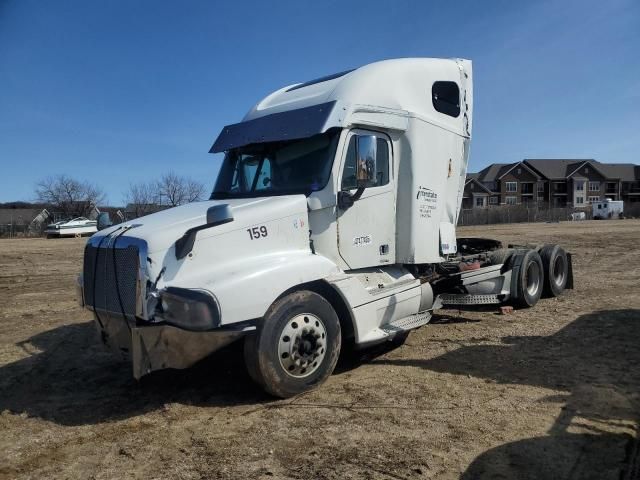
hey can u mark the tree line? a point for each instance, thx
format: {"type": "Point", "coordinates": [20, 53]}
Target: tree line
{"type": "Point", "coordinates": [72, 197]}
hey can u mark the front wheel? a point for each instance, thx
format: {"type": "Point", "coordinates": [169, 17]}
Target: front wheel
{"type": "Point", "coordinates": [296, 345]}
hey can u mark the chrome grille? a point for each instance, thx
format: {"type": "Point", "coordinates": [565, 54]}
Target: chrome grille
{"type": "Point", "coordinates": [107, 272]}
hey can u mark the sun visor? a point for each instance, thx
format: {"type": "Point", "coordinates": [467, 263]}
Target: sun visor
{"type": "Point", "coordinates": [289, 125]}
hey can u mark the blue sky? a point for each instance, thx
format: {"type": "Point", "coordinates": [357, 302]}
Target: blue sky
{"type": "Point", "coordinates": [122, 91]}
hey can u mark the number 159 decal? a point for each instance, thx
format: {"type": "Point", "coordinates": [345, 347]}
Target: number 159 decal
{"type": "Point", "coordinates": [257, 232]}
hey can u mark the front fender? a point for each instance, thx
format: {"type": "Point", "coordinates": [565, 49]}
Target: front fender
{"type": "Point", "coordinates": [245, 290]}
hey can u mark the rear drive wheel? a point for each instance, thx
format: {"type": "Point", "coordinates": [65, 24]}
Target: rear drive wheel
{"type": "Point", "coordinates": [556, 269]}
{"type": "Point", "coordinates": [530, 279]}
{"type": "Point", "coordinates": [500, 256]}
{"type": "Point", "coordinates": [296, 346]}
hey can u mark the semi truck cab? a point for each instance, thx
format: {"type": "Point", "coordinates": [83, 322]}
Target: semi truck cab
{"type": "Point", "coordinates": [332, 220]}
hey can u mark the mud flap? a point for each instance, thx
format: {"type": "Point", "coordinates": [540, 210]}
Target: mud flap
{"type": "Point", "coordinates": [569, 284]}
{"type": "Point", "coordinates": [515, 274]}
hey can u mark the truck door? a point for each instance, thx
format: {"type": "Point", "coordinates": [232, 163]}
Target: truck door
{"type": "Point", "coordinates": [367, 229]}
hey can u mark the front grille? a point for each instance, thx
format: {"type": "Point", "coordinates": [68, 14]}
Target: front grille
{"type": "Point", "coordinates": [107, 272]}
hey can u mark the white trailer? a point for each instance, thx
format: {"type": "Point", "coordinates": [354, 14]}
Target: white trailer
{"type": "Point", "coordinates": [332, 220]}
{"type": "Point", "coordinates": [606, 209]}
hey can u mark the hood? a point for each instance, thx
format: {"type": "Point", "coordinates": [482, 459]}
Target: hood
{"type": "Point", "coordinates": [160, 230]}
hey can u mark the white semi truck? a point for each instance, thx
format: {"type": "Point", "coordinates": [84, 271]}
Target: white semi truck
{"type": "Point", "coordinates": [332, 220]}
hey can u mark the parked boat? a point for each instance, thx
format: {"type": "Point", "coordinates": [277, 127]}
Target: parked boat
{"type": "Point", "coordinates": [77, 227]}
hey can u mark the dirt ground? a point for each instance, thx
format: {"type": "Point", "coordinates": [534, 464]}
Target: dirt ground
{"type": "Point", "coordinates": [549, 392]}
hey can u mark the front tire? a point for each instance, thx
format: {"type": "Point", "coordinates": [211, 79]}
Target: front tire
{"type": "Point", "coordinates": [296, 346]}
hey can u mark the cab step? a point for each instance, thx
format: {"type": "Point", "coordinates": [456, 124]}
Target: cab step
{"type": "Point", "coordinates": [408, 323]}
{"type": "Point", "coordinates": [467, 299]}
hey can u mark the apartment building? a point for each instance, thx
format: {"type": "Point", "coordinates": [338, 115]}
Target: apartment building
{"type": "Point", "coordinates": [554, 182]}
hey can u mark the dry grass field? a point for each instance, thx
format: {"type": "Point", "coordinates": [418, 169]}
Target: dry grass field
{"type": "Point", "coordinates": [549, 392]}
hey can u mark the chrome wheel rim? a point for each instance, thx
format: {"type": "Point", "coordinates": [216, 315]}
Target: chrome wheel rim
{"type": "Point", "coordinates": [558, 270]}
{"type": "Point", "coordinates": [302, 345]}
{"type": "Point", "coordinates": [533, 278]}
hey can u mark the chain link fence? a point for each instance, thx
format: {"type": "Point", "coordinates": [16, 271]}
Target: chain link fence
{"type": "Point", "coordinates": [18, 229]}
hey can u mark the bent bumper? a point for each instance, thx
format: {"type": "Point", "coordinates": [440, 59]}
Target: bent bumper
{"type": "Point", "coordinates": [156, 347]}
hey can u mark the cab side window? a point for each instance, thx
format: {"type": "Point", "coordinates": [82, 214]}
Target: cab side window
{"type": "Point", "coordinates": [382, 164]}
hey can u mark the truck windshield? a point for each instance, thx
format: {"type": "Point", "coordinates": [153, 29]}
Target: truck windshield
{"type": "Point", "coordinates": [277, 168]}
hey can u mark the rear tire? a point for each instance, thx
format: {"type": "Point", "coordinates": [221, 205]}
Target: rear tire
{"type": "Point", "coordinates": [530, 279]}
{"type": "Point", "coordinates": [296, 345]}
{"type": "Point", "coordinates": [556, 269]}
{"type": "Point", "coordinates": [500, 256]}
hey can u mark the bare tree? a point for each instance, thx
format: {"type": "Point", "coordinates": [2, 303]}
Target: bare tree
{"type": "Point", "coordinates": [170, 190]}
{"type": "Point", "coordinates": [69, 196]}
{"type": "Point", "coordinates": [142, 199]}
{"type": "Point", "coordinates": [173, 190]}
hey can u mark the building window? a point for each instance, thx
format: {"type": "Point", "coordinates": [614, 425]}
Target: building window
{"type": "Point", "coordinates": [519, 171]}
{"type": "Point", "coordinates": [512, 186]}
{"type": "Point", "coordinates": [541, 188]}
{"type": "Point", "coordinates": [493, 200]}
{"type": "Point", "coordinates": [594, 186]}
{"type": "Point", "coordinates": [446, 98]}
{"type": "Point", "coordinates": [479, 201]}
{"type": "Point", "coordinates": [579, 200]}
{"type": "Point", "coordinates": [594, 199]}
{"type": "Point", "coordinates": [560, 187]}
{"type": "Point", "coordinates": [579, 185]}
{"type": "Point", "coordinates": [511, 200]}
{"type": "Point", "coordinates": [526, 188]}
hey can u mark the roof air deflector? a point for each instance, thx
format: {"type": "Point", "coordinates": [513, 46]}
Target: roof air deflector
{"type": "Point", "coordinates": [320, 80]}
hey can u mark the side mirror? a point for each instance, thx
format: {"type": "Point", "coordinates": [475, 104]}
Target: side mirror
{"type": "Point", "coordinates": [103, 221]}
{"type": "Point", "coordinates": [366, 155]}
{"type": "Point", "coordinates": [216, 215]}
{"type": "Point", "coordinates": [219, 214]}
{"type": "Point", "coordinates": [366, 169]}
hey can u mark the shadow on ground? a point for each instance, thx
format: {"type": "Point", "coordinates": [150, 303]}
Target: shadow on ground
{"type": "Point", "coordinates": [596, 360]}
{"type": "Point", "coordinates": [71, 379]}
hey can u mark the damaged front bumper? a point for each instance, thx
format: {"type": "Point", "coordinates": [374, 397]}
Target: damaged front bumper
{"type": "Point", "coordinates": [153, 347]}
{"type": "Point", "coordinates": [155, 329]}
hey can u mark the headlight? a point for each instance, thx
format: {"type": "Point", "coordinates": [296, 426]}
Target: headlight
{"type": "Point", "coordinates": [189, 309]}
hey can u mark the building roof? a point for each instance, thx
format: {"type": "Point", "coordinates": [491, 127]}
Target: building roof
{"type": "Point", "coordinates": [514, 165]}
{"type": "Point", "coordinates": [493, 171]}
{"type": "Point", "coordinates": [475, 181]}
{"type": "Point", "coordinates": [627, 172]}
{"type": "Point", "coordinates": [556, 168]}
{"type": "Point", "coordinates": [559, 169]}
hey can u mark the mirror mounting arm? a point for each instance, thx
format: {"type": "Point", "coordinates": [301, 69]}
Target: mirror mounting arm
{"type": "Point", "coordinates": [346, 200]}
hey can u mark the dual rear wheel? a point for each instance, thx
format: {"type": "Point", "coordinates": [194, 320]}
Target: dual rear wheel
{"type": "Point", "coordinates": [544, 273]}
